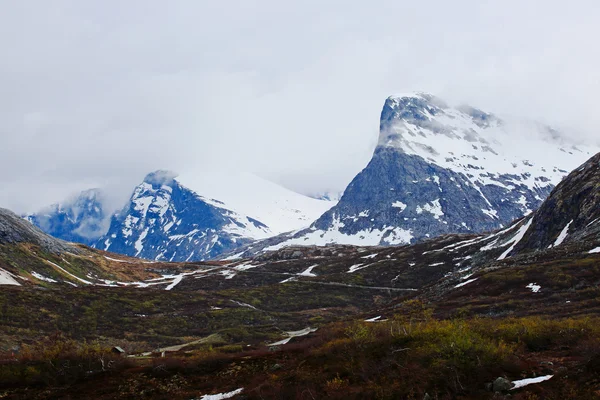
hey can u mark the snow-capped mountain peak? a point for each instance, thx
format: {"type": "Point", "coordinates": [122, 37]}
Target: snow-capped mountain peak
{"type": "Point", "coordinates": [486, 149]}
{"type": "Point", "coordinates": [441, 169]}
{"type": "Point", "coordinates": [165, 220]}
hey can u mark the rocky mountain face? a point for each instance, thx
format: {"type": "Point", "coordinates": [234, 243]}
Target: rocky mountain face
{"type": "Point", "coordinates": [15, 230]}
{"type": "Point", "coordinates": [81, 219]}
{"type": "Point", "coordinates": [571, 214]}
{"type": "Point", "coordinates": [166, 221]}
{"type": "Point", "coordinates": [439, 169]}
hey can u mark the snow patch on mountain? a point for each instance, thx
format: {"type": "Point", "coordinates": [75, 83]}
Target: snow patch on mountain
{"type": "Point", "coordinates": [516, 239]}
{"type": "Point", "coordinates": [281, 209]}
{"type": "Point", "coordinates": [6, 278]}
{"type": "Point", "coordinates": [563, 235]}
{"type": "Point", "coordinates": [367, 237]}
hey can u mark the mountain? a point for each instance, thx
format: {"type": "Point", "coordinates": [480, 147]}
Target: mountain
{"type": "Point", "coordinates": [80, 219]}
{"type": "Point", "coordinates": [166, 220]}
{"type": "Point", "coordinates": [234, 209]}
{"type": "Point", "coordinates": [439, 169]}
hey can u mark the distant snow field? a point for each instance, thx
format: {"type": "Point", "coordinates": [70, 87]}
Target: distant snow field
{"type": "Point", "coordinates": [281, 209]}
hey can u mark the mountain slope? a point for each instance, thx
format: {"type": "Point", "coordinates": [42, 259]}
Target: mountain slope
{"type": "Point", "coordinates": [30, 257]}
{"type": "Point", "coordinates": [281, 209]}
{"type": "Point", "coordinates": [571, 214]}
{"type": "Point", "coordinates": [167, 221]}
{"type": "Point", "coordinates": [438, 170]}
{"type": "Point", "coordinates": [14, 230]}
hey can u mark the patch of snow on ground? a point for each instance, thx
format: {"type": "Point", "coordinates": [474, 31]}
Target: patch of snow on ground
{"type": "Point", "coordinates": [355, 268]}
{"type": "Point", "coordinates": [42, 277]}
{"type": "Point", "coordinates": [227, 273]}
{"type": "Point", "coordinates": [244, 267]}
{"type": "Point", "coordinates": [466, 283]}
{"type": "Point", "coordinates": [308, 271]}
{"type": "Point", "coordinates": [370, 256]}
{"type": "Point", "coordinates": [294, 334]}
{"type": "Point", "coordinates": [563, 235]}
{"type": "Point", "coordinates": [375, 319]}
{"type": "Point", "coordinates": [175, 282]}
{"type": "Point", "coordinates": [516, 239]}
{"type": "Point", "coordinates": [6, 278]}
{"type": "Point", "coordinates": [221, 396]}
{"type": "Point", "coordinates": [70, 274]}
{"type": "Point", "coordinates": [595, 251]}
{"type": "Point", "coordinates": [114, 259]}
{"type": "Point", "coordinates": [524, 382]}
{"type": "Point", "coordinates": [239, 303]}
{"type": "Point", "coordinates": [534, 287]}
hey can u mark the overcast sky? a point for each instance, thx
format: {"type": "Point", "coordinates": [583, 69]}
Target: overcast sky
{"type": "Point", "coordinates": [98, 93]}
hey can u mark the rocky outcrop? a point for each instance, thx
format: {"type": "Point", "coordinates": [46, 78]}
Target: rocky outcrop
{"type": "Point", "coordinates": [14, 229]}
{"type": "Point", "coordinates": [570, 214]}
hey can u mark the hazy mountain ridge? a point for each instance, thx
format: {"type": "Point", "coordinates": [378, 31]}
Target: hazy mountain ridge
{"type": "Point", "coordinates": [436, 170]}
{"type": "Point", "coordinates": [81, 219]}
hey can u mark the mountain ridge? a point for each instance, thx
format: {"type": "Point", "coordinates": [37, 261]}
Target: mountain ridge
{"type": "Point", "coordinates": [438, 170]}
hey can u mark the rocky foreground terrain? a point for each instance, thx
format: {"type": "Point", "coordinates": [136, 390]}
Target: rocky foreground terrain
{"type": "Point", "coordinates": [506, 314]}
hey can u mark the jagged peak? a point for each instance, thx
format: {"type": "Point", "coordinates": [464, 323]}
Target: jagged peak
{"type": "Point", "coordinates": [418, 99]}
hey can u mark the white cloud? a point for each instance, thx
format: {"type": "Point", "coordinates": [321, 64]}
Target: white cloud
{"type": "Point", "coordinates": [102, 92]}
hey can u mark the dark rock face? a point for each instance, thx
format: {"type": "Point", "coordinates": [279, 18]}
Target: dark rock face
{"type": "Point", "coordinates": [81, 220]}
{"type": "Point", "coordinates": [571, 212]}
{"type": "Point", "coordinates": [406, 191]}
{"type": "Point", "coordinates": [166, 221]}
{"type": "Point", "coordinates": [14, 229]}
